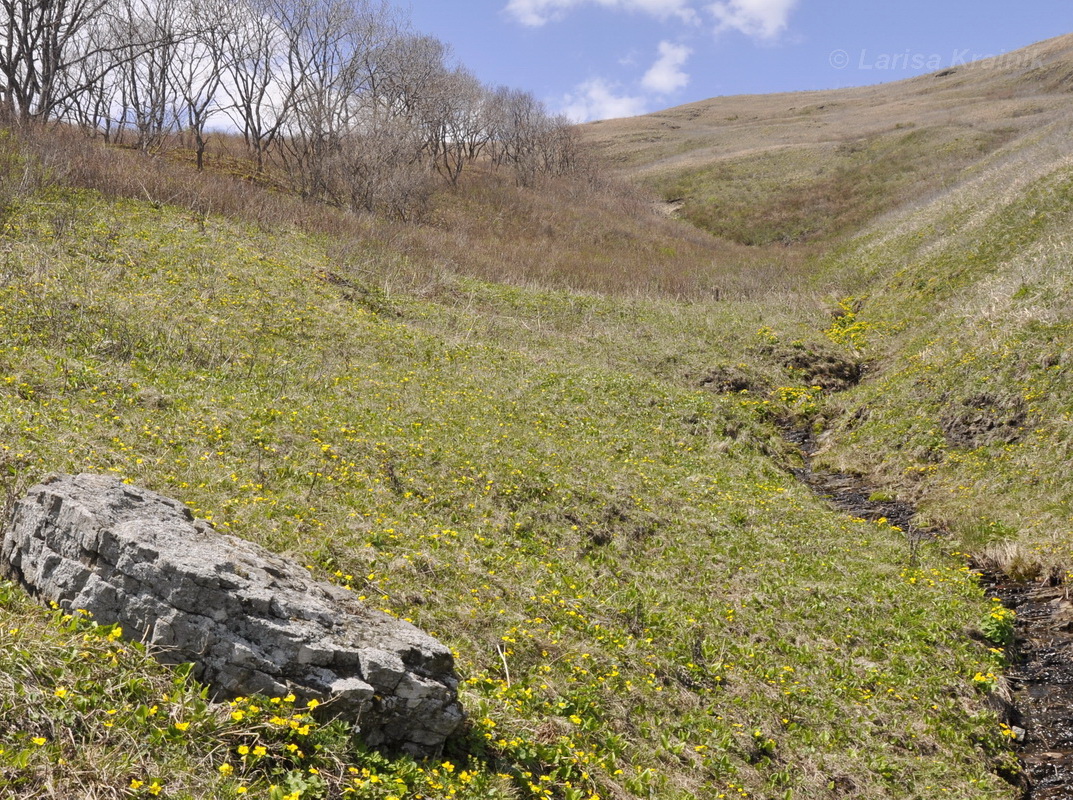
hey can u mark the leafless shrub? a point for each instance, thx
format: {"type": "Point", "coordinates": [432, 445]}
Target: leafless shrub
{"type": "Point", "coordinates": [377, 171]}
{"type": "Point", "coordinates": [339, 97]}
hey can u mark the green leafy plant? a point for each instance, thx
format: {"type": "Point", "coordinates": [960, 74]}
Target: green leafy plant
{"type": "Point", "coordinates": [998, 625]}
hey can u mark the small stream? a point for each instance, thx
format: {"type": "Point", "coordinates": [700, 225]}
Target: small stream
{"type": "Point", "coordinates": [1041, 676]}
{"type": "Point", "coordinates": [847, 492]}
{"type": "Point", "coordinates": [1041, 682]}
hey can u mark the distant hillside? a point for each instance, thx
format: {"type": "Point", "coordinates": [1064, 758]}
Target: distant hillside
{"type": "Point", "coordinates": [805, 167]}
{"type": "Point", "coordinates": [938, 211]}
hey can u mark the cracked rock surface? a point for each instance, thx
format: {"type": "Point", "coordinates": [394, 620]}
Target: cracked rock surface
{"type": "Point", "coordinates": [252, 622]}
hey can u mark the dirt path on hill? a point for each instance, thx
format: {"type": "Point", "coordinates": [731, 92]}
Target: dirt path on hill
{"type": "Point", "coordinates": [1041, 677]}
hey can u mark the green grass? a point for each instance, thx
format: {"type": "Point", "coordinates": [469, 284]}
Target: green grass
{"type": "Point", "coordinates": [797, 194]}
{"type": "Point", "coordinates": [642, 601]}
{"type": "Point", "coordinates": [965, 313]}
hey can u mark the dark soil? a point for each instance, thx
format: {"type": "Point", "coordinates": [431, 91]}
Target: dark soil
{"type": "Point", "coordinates": [1041, 681]}
{"type": "Point", "coordinates": [849, 493]}
{"type": "Point", "coordinates": [731, 380]}
{"type": "Point", "coordinates": [828, 369]}
{"type": "Point", "coordinates": [984, 419]}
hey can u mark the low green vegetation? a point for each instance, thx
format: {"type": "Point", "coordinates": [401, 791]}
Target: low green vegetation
{"type": "Point", "coordinates": [587, 496]}
{"type": "Point", "coordinates": [965, 308]}
{"type": "Point", "coordinates": [642, 600]}
{"type": "Point", "coordinates": [791, 194]}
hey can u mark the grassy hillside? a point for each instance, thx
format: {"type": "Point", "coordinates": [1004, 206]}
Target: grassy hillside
{"type": "Point", "coordinates": [935, 211]}
{"type": "Point", "coordinates": [808, 167]}
{"type": "Point", "coordinates": [816, 192]}
{"type": "Point", "coordinates": [543, 425]}
{"type": "Point", "coordinates": [643, 604]}
{"type": "Point", "coordinates": [597, 233]}
{"type": "Point", "coordinates": [964, 308]}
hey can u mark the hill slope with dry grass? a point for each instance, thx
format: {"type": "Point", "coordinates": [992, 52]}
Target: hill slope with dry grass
{"type": "Point", "coordinates": [934, 213]}
{"type": "Point", "coordinates": [805, 167]}
{"type": "Point", "coordinates": [590, 233]}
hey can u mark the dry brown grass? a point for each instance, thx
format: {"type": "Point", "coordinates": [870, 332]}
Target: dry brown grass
{"type": "Point", "coordinates": [604, 236]}
{"type": "Point", "coordinates": [1015, 561]}
{"type": "Point", "coordinates": [583, 234]}
{"type": "Point", "coordinates": [1023, 90]}
{"type": "Point", "coordinates": [606, 239]}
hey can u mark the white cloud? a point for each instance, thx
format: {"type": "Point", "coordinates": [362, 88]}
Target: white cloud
{"type": "Point", "coordinates": [597, 99]}
{"type": "Point", "coordinates": [600, 98]}
{"type": "Point", "coordinates": [666, 75]}
{"type": "Point", "coordinates": [764, 19]}
{"type": "Point", "coordinates": [540, 12]}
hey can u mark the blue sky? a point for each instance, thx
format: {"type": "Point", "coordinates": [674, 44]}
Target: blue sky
{"type": "Point", "coordinates": [595, 59]}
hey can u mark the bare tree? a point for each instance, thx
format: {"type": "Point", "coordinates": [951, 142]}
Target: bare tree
{"type": "Point", "coordinates": [519, 120]}
{"type": "Point", "coordinates": [149, 93]}
{"type": "Point", "coordinates": [408, 69]}
{"type": "Point", "coordinates": [358, 109]}
{"type": "Point", "coordinates": [260, 96]}
{"type": "Point", "coordinates": [559, 146]}
{"type": "Point", "coordinates": [324, 41]}
{"type": "Point", "coordinates": [524, 135]}
{"type": "Point", "coordinates": [453, 122]}
{"type": "Point", "coordinates": [200, 67]}
{"type": "Point", "coordinates": [44, 43]}
{"type": "Point", "coordinates": [88, 88]}
{"type": "Point", "coordinates": [377, 168]}
{"type": "Point", "coordinates": [473, 130]}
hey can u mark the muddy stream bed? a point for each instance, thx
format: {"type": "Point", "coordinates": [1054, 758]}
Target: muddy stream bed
{"type": "Point", "coordinates": [1041, 675]}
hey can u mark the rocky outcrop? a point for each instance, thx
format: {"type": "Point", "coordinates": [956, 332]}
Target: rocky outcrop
{"type": "Point", "coordinates": [250, 621]}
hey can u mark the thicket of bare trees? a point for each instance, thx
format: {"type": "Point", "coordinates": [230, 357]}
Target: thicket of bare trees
{"type": "Point", "coordinates": [338, 96]}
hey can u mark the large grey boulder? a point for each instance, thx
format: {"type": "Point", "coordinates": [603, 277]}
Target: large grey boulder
{"type": "Point", "coordinates": [250, 621]}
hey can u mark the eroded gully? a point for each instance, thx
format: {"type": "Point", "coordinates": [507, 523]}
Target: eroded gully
{"type": "Point", "coordinates": [1041, 675]}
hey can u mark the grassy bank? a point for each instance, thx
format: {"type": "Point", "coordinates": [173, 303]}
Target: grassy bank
{"type": "Point", "coordinates": [643, 603]}
{"type": "Point", "coordinates": [963, 307]}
